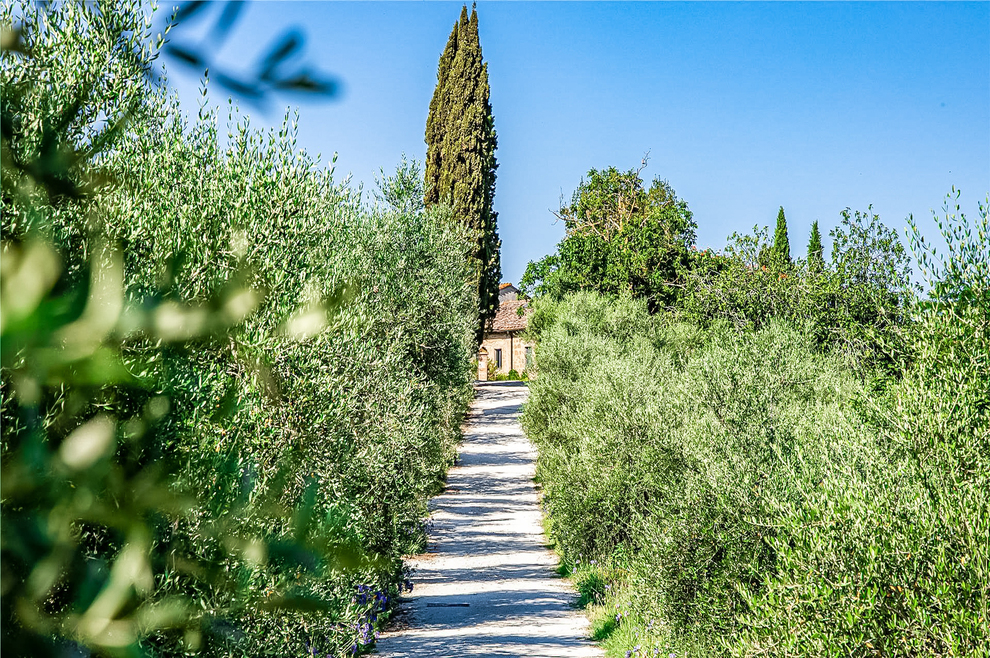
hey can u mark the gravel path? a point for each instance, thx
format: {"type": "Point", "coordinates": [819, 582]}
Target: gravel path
{"type": "Point", "coordinates": [486, 586]}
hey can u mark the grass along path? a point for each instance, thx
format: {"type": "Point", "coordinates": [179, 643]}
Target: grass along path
{"type": "Point", "coordinates": [487, 585]}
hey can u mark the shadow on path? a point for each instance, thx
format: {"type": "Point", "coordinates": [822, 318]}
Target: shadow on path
{"type": "Point", "coordinates": [486, 586]}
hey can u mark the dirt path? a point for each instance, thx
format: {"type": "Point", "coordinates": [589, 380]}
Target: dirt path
{"type": "Point", "coordinates": [486, 586]}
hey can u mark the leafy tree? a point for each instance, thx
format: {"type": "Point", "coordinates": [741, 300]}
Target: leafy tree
{"type": "Point", "coordinates": [855, 306]}
{"type": "Point", "coordinates": [460, 152]}
{"type": "Point", "coordinates": [872, 290]}
{"type": "Point", "coordinates": [816, 260]}
{"type": "Point", "coordinates": [867, 253]}
{"type": "Point", "coordinates": [621, 238]}
{"type": "Point", "coordinates": [402, 191]}
{"type": "Point", "coordinates": [749, 250]}
{"type": "Point", "coordinates": [962, 275]}
{"type": "Point", "coordinates": [927, 489]}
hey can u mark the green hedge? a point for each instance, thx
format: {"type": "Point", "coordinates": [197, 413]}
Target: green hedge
{"type": "Point", "coordinates": [722, 492]}
{"type": "Point", "coordinates": [229, 384]}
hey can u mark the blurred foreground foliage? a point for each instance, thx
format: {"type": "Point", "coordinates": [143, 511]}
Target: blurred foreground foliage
{"type": "Point", "coordinates": [791, 462]}
{"type": "Point", "coordinates": [228, 385]}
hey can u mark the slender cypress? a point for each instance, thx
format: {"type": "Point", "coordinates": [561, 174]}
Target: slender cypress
{"type": "Point", "coordinates": [460, 152]}
{"type": "Point", "coordinates": [434, 120]}
{"type": "Point", "coordinates": [816, 259]}
{"type": "Point", "coordinates": [781, 245]}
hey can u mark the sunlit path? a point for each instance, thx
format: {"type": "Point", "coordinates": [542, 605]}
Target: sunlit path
{"type": "Point", "coordinates": [486, 586]}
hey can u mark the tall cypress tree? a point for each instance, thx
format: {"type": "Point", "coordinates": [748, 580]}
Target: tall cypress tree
{"type": "Point", "coordinates": [816, 259]}
{"type": "Point", "coordinates": [460, 152]}
{"type": "Point", "coordinates": [781, 249]}
{"type": "Point", "coordinates": [435, 120]}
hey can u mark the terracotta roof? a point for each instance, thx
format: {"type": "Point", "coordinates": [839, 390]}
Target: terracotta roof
{"type": "Point", "coordinates": [507, 317]}
{"type": "Point", "coordinates": [503, 285]}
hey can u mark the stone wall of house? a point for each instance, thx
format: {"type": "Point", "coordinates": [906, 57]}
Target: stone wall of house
{"type": "Point", "coordinates": [511, 344]}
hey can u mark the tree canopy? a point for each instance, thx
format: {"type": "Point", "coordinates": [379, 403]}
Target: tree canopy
{"type": "Point", "coordinates": [621, 237]}
{"type": "Point", "coordinates": [460, 152]}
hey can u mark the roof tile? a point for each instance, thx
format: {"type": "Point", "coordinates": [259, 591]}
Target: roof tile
{"type": "Point", "coordinates": [507, 317]}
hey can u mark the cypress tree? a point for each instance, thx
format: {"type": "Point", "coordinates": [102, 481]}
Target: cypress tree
{"type": "Point", "coordinates": [460, 152]}
{"type": "Point", "coordinates": [781, 249]}
{"type": "Point", "coordinates": [816, 259]}
{"type": "Point", "coordinates": [437, 115]}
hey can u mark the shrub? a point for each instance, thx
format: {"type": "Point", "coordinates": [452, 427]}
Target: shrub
{"type": "Point", "coordinates": [674, 446]}
{"type": "Point", "coordinates": [894, 559]}
{"type": "Point", "coordinates": [856, 306]}
{"type": "Point", "coordinates": [226, 394]}
{"type": "Point", "coordinates": [747, 495]}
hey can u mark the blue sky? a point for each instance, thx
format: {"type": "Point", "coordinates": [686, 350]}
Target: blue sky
{"type": "Point", "coordinates": [743, 107]}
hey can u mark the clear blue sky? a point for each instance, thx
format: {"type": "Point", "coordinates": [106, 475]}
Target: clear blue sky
{"type": "Point", "coordinates": [743, 107]}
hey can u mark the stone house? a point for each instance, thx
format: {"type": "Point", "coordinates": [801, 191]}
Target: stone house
{"type": "Point", "coordinates": [503, 346]}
